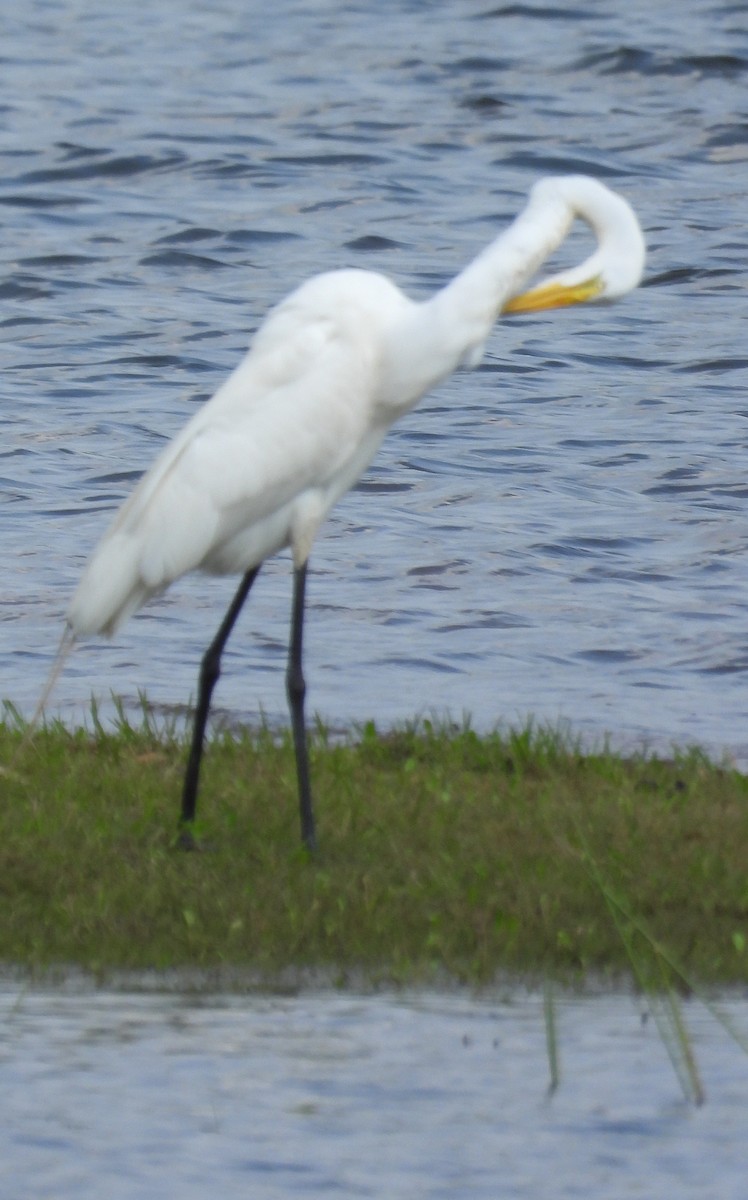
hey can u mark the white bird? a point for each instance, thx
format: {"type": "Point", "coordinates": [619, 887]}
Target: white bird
{"type": "Point", "coordinates": [261, 464]}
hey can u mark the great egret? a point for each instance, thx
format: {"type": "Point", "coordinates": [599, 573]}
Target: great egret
{"type": "Point", "coordinates": [261, 464]}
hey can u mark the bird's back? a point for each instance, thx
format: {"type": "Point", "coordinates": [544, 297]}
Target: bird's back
{"type": "Point", "coordinates": [261, 463]}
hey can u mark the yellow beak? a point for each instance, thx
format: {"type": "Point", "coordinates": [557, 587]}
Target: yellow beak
{"type": "Point", "coordinates": [554, 295]}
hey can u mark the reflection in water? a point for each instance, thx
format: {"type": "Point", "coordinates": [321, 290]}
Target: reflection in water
{"type": "Point", "coordinates": [146, 1095]}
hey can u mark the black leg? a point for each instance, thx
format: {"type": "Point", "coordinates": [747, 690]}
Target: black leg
{"type": "Point", "coordinates": [296, 689]}
{"type": "Point", "coordinates": [210, 669]}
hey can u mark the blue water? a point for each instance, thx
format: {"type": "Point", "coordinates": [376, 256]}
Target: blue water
{"type": "Point", "coordinates": [139, 1095]}
{"type": "Point", "coordinates": [561, 533]}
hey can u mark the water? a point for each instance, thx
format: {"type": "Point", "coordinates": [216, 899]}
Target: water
{"type": "Point", "coordinates": [146, 1095]}
{"type": "Point", "coordinates": [561, 533]}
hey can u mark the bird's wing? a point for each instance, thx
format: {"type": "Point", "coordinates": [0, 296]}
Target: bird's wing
{"type": "Point", "coordinates": [282, 424]}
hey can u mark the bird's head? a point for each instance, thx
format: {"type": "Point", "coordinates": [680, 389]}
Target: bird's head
{"type": "Point", "coordinates": [615, 267]}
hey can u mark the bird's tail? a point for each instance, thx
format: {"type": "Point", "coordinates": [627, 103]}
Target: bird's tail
{"type": "Point", "coordinates": [110, 589]}
{"type": "Point", "coordinates": [67, 642]}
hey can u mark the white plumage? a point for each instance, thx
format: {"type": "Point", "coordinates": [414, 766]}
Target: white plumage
{"type": "Point", "coordinates": [261, 464]}
{"type": "Point", "coordinates": [332, 367]}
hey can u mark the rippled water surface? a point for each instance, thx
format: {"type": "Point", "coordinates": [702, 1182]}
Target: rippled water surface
{"type": "Point", "coordinates": [562, 532]}
{"type": "Point", "coordinates": [151, 1096]}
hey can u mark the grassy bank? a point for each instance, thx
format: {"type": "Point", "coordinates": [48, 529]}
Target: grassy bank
{"type": "Point", "coordinates": [440, 852]}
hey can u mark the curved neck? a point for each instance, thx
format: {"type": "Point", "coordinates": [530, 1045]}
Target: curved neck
{"type": "Point", "coordinates": [480, 291]}
{"type": "Point", "coordinates": [450, 329]}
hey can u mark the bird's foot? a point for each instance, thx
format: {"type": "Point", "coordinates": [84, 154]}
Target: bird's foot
{"type": "Point", "coordinates": [185, 839]}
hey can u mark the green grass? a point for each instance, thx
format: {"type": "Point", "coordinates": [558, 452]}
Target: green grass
{"type": "Point", "coordinates": [444, 854]}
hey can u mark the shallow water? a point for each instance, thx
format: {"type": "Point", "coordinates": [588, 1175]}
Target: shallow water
{"type": "Point", "coordinates": [140, 1095]}
{"type": "Point", "coordinates": [560, 533]}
